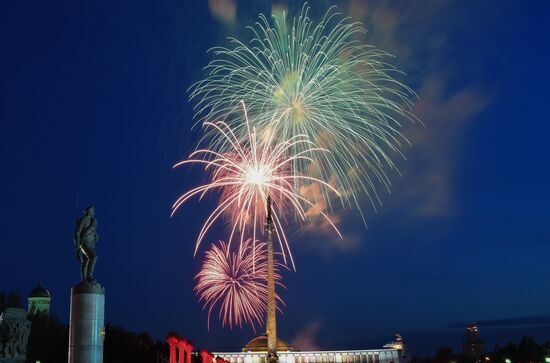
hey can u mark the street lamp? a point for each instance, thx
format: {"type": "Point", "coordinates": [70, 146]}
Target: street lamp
{"type": "Point", "coordinates": [508, 360]}
{"type": "Point", "coordinates": [547, 359]}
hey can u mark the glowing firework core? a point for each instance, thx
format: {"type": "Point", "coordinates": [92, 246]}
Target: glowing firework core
{"type": "Point", "coordinates": [257, 174]}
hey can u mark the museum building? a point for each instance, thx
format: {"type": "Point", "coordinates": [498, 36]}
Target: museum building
{"type": "Point", "coordinates": [256, 352]}
{"type": "Point", "coordinates": [181, 351]}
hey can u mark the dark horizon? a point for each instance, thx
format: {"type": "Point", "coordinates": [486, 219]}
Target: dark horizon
{"type": "Point", "coordinates": [95, 110]}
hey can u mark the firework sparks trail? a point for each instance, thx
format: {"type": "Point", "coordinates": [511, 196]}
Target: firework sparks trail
{"type": "Point", "coordinates": [246, 175]}
{"type": "Point", "coordinates": [320, 81]}
{"type": "Point", "coordinates": [236, 282]}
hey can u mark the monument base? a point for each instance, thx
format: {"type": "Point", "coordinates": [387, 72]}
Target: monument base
{"type": "Point", "coordinates": [86, 326]}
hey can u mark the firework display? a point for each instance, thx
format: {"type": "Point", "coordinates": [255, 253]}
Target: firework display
{"type": "Point", "coordinates": [246, 175]}
{"type": "Point", "coordinates": [236, 283]}
{"type": "Point", "coordinates": [319, 80]}
{"type": "Point", "coordinates": [300, 117]}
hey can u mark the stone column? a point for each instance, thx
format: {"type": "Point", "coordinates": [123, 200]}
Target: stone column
{"type": "Point", "coordinates": [189, 351]}
{"type": "Point", "coordinates": [185, 348]}
{"type": "Point", "coordinates": [182, 348]}
{"type": "Point", "coordinates": [206, 356]}
{"type": "Point", "coordinates": [172, 341]}
{"type": "Point", "coordinates": [86, 326]}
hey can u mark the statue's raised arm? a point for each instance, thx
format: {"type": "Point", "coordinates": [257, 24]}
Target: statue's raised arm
{"type": "Point", "coordinates": [84, 238]}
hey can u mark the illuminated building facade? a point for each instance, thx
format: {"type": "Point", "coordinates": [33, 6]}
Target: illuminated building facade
{"type": "Point", "coordinates": [473, 345]}
{"type": "Point", "coordinates": [256, 352]}
{"type": "Point", "coordinates": [336, 356]}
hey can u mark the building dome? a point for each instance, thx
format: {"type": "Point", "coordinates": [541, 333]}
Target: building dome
{"type": "Point", "coordinates": [39, 301]}
{"type": "Point", "coordinates": [259, 344]}
{"type": "Point", "coordinates": [40, 291]}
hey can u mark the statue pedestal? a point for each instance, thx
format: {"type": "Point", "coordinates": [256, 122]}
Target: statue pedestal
{"type": "Point", "coordinates": [86, 326]}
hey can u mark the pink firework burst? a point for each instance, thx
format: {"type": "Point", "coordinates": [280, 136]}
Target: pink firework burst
{"type": "Point", "coordinates": [246, 175]}
{"type": "Point", "coordinates": [236, 282]}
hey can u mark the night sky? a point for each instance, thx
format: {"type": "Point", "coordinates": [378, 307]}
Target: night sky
{"type": "Point", "coordinates": [94, 108]}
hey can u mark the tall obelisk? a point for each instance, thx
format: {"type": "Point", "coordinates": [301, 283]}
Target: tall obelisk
{"type": "Point", "coordinates": [271, 325]}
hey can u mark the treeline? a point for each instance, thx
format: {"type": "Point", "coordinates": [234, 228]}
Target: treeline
{"type": "Point", "coordinates": [528, 350]}
{"type": "Point", "coordinates": [10, 300]}
{"type": "Point", "coordinates": [128, 347]}
{"type": "Point", "coordinates": [49, 339]}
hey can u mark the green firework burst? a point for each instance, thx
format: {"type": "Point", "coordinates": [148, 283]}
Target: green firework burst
{"type": "Point", "coordinates": [316, 79]}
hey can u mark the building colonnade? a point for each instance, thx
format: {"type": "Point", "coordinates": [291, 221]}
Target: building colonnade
{"type": "Point", "coordinates": [350, 356]}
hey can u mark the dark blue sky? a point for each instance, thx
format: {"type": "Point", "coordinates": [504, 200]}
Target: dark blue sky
{"type": "Point", "coordinates": [93, 103]}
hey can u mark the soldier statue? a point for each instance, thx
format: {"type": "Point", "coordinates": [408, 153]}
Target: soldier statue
{"type": "Point", "coordinates": [85, 238]}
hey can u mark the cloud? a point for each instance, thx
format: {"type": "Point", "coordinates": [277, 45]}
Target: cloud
{"type": "Point", "coordinates": [305, 339]}
{"type": "Point", "coordinates": [419, 40]}
{"type": "Point", "coordinates": [427, 186]}
{"type": "Point", "coordinates": [318, 232]}
{"type": "Point", "coordinates": [313, 193]}
{"type": "Point", "coordinates": [319, 235]}
{"type": "Point", "coordinates": [223, 9]}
